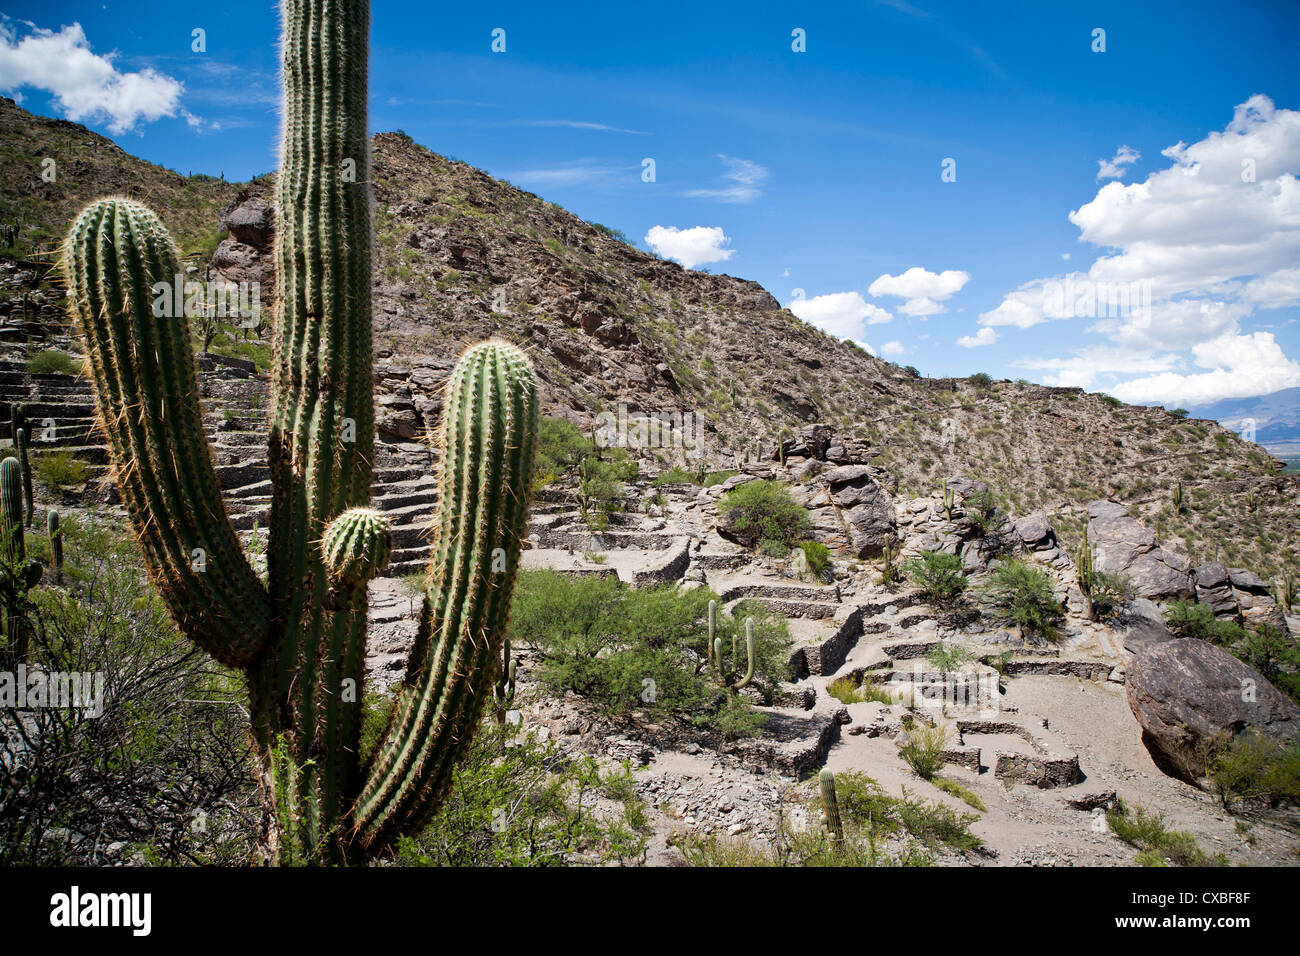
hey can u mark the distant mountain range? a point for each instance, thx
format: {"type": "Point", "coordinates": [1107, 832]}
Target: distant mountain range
{"type": "Point", "coordinates": [1276, 418]}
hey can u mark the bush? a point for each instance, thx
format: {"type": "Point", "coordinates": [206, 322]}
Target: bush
{"type": "Point", "coordinates": [516, 801]}
{"type": "Point", "coordinates": [937, 573]}
{"type": "Point", "coordinates": [1178, 412]}
{"type": "Point", "coordinates": [946, 658]}
{"type": "Point", "coordinates": [1253, 767]}
{"type": "Point", "coordinates": [981, 380]}
{"type": "Point", "coordinates": [676, 476]}
{"type": "Point", "coordinates": [601, 492]}
{"type": "Point", "coordinates": [53, 362]}
{"type": "Point", "coordinates": [60, 468]}
{"type": "Point", "coordinates": [817, 557]}
{"type": "Point", "coordinates": [560, 449]}
{"type": "Point", "coordinates": [981, 508]}
{"type": "Point", "coordinates": [762, 514]}
{"type": "Point", "coordinates": [1022, 594]}
{"type": "Point", "coordinates": [1145, 830]}
{"type": "Point", "coordinates": [848, 691]}
{"type": "Point", "coordinates": [1110, 400]}
{"type": "Point", "coordinates": [169, 750]}
{"type": "Point", "coordinates": [923, 748]}
{"type": "Point", "coordinates": [628, 649]}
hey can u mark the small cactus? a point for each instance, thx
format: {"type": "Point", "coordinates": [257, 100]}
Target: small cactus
{"type": "Point", "coordinates": [503, 689]}
{"type": "Point", "coordinates": [1086, 572]}
{"type": "Point", "coordinates": [712, 629]}
{"type": "Point", "coordinates": [949, 499]}
{"type": "Point", "coordinates": [1176, 495]}
{"type": "Point", "coordinates": [17, 574]}
{"type": "Point", "coordinates": [831, 808]}
{"type": "Point", "coordinates": [727, 676]}
{"type": "Point", "coordinates": [20, 441]}
{"type": "Point", "coordinates": [56, 544]}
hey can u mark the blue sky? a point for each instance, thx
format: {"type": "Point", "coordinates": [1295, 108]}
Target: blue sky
{"type": "Point", "coordinates": [819, 173]}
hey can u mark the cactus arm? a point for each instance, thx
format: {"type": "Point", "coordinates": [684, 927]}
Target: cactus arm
{"type": "Point", "coordinates": [749, 653]}
{"type": "Point", "coordinates": [147, 397]}
{"type": "Point", "coordinates": [488, 435]}
{"type": "Point", "coordinates": [20, 439]}
{"type": "Point", "coordinates": [56, 544]}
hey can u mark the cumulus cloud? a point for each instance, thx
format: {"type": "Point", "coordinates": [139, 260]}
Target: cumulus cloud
{"type": "Point", "coordinates": [1114, 168]}
{"type": "Point", "coordinates": [984, 336]}
{"type": "Point", "coordinates": [842, 314]}
{"type": "Point", "coordinates": [691, 247]}
{"type": "Point", "coordinates": [892, 348]}
{"type": "Point", "coordinates": [742, 181]}
{"type": "Point", "coordinates": [923, 290]}
{"type": "Point", "coordinates": [1202, 245]}
{"type": "Point", "coordinates": [86, 86]}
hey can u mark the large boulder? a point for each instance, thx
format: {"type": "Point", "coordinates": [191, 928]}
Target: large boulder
{"type": "Point", "coordinates": [1035, 533]}
{"type": "Point", "coordinates": [866, 507]}
{"type": "Point", "coordinates": [1187, 693]}
{"type": "Point", "coordinates": [1125, 546]}
{"type": "Point", "coordinates": [1213, 588]}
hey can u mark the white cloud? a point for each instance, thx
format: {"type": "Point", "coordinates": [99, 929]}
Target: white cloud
{"type": "Point", "coordinates": [865, 346]}
{"type": "Point", "coordinates": [984, 336]}
{"type": "Point", "coordinates": [1239, 365]}
{"type": "Point", "coordinates": [85, 85]}
{"type": "Point", "coordinates": [842, 314]}
{"type": "Point", "coordinates": [1114, 168]}
{"type": "Point", "coordinates": [1083, 368]}
{"type": "Point", "coordinates": [1208, 241]}
{"type": "Point", "coordinates": [892, 348]}
{"type": "Point", "coordinates": [691, 247]}
{"type": "Point", "coordinates": [923, 290]}
{"type": "Point", "coordinates": [744, 180]}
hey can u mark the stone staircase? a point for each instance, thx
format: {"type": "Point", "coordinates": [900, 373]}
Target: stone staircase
{"type": "Point", "coordinates": [60, 413]}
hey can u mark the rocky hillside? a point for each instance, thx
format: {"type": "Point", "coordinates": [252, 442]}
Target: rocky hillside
{"type": "Point", "coordinates": [461, 255]}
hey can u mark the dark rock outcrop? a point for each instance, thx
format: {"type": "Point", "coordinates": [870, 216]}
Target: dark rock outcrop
{"type": "Point", "coordinates": [1187, 694]}
{"type": "Point", "coordinates": [1124, 546]}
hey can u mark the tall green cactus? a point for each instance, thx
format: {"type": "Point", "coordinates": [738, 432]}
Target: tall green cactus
{"type": "Point", "coordinates": [831, 819]}
{"type": "Point", "coordinates": [17, 574]}
{"type": "Point", "coordinates": [1086, 573]}
{"type": "Point", "coordinates": [56, 544]}
{"type": "Point", "coordinates": [24, 462]}
{"type": "Point", "coordinates": [712, 631]}
{"type": "Point", "coordinates": [300, 637]}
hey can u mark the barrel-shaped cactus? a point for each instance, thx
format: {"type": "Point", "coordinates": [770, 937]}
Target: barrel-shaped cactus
{"type": "Point", "coordinates": [300, 637]}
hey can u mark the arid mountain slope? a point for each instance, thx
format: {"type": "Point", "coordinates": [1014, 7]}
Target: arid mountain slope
{"type": "Point", "coordinates": [460, 256]}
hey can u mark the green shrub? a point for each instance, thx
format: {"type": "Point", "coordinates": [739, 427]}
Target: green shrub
{"type": "Point", "coordinates": [633, 649]}
{"type": "Point", "coordinates": [601, 491]}
{"type": "Point", "coordinates": [1022, 594]}
{"type": "Point", "coordinates": [817, 556]}
{"type": "Point", "coordinates": [848, 691]}
{"type": "Point", "coordinates": [946, 658]}
{"type": "Point", "coordinates": [937, 573]}
{"type": "Point", "coordinates": [1110, 400]}
{"type": "Point", "coordinates": [560, 449]}
{"type": "Point", "coordinates": [981, 508]}
{"type": "Point", "coordinates": [762, 514]}
{"type": "Point", "coordinates": [60, 468]}
{"type": "Point", "coordinates": [1178, 412]}
{"type": "Point", "coordinates": [675, 476]}
{"type": "Point", "coordinates": [717, 478]}
{"type": "Point", "coordinates": [981, 380]}
{"type": "Point", "coordinates": [1190, 619]}
{"type": "Point", "coordinates": [1253, 767]}
{"type": "Point", "coordinates": [961, 792]}
{"type": "Point", "coordinates": [923, 748]}
{"type": "Point", "coordinates": [53, 362]}
{"type": "Point", "coordinates": [1145, 830]}
{"type": "Point", "coordinates": [516, 801]}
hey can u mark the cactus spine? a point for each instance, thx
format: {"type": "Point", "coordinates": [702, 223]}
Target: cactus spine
{"type": "Point", "coordinates": [17, 574]}
{"type": "Point", "coordinates": [56, 544]}
{"type": "Point", "coordinates": [831, 808]}
{"type": "Point", "coordinates": [300, 638]}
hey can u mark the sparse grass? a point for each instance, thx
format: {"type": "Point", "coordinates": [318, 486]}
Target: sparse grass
{"type": "Point", "coordinates": [947, 658]}
{"type": "Point", "coordinates": [848, 691]}
{"type": "Point", "coordinates": [960, 791]}
{"type": "Point", "coordinates": [1146, 831]}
